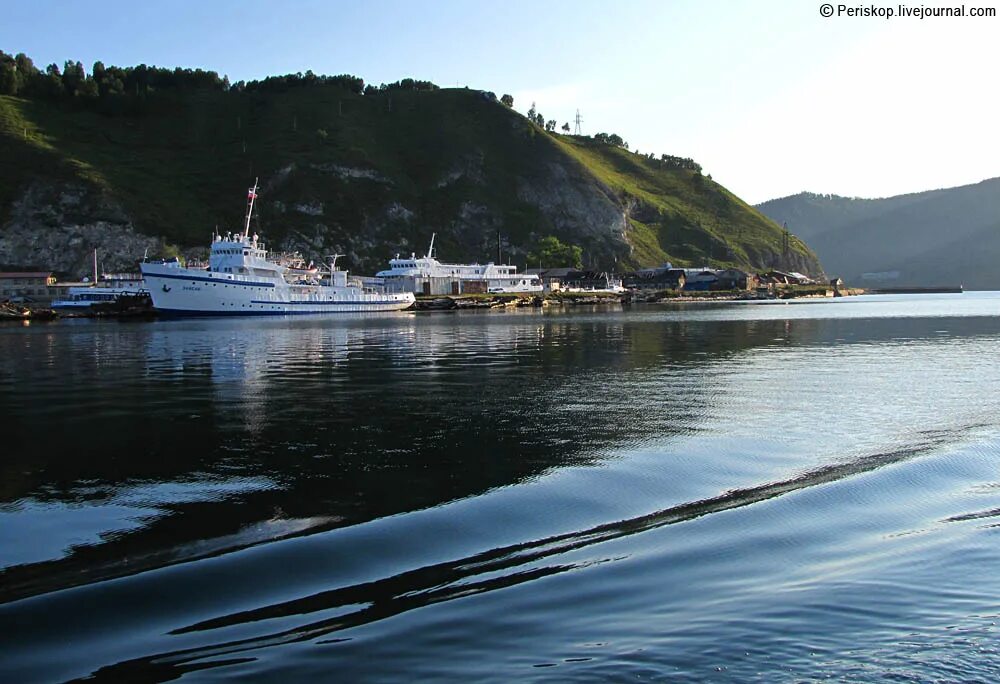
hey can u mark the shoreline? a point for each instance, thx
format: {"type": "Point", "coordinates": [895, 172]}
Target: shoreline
{"type": "Point", "coordinates": [502, 301]}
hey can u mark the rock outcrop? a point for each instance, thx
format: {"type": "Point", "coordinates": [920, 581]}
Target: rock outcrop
{"type": "Point", "coordinates": [57, 226]}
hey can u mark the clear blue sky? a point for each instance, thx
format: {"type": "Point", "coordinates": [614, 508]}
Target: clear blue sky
{"type": "Point", "coordinates": [770, 97]}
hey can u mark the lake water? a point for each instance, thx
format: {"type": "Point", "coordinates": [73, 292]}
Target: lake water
{"type": "Point", "coordinates": [725, 492]}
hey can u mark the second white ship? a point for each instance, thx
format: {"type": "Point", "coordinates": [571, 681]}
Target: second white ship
{"type": "Point", "coordinates": [428, 276]}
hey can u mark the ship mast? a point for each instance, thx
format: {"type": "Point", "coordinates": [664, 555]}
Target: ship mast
{"type": "Point", "coordinates": [251, 196]}
{"type": "Point", "coordinates": [333, 265]}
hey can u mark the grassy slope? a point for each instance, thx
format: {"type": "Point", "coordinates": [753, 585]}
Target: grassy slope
{"type": "Point", "coordinates": [180, 165]}
{"type": "Point", "coordinates": [696, 220]}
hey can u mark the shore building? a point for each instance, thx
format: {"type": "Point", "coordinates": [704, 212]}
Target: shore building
{"type": "Point", "coordinates": [26, 285]}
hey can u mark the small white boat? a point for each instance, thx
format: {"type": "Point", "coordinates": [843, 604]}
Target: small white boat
{"type": "Point", "coordinates": [605, 284]}
{"type": "Point", "coordinates": [242, 280]}
{"type": "Point", "coordinates": [107, 291]}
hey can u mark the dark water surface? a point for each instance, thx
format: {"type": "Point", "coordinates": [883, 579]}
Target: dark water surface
{"type": "Point", "coordinates": [723, 492]}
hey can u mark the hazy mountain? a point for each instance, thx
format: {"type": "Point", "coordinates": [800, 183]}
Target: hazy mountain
{"type": "Point", "coordinates": [949, 236]}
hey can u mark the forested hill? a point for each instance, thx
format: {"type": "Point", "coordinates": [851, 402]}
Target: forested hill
{"type": "Point", "coordinates": [130, 159]}
{"type": "Point", "coordinates": [939, 237]}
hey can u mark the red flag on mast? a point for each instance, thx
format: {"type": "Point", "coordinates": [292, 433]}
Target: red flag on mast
{"type": "Point", "coordinates": [251, 194]}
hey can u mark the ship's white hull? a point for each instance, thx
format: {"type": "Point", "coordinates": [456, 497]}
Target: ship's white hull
{"type": "Point", "coordinates": [517, 289]}
{"type": "Point", "coordinates": [594, 290]}
{"type": "Point", "coordinates": [183, 291]}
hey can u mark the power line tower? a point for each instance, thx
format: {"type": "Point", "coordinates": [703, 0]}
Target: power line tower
{"type": "Point", "coordinates": [578, 120]}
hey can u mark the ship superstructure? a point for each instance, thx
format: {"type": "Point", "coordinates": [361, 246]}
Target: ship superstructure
{"type": "Point", "coordinates": [427, 275]}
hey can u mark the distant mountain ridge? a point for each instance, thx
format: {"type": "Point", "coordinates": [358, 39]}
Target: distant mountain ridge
{"type": "Point", "coordinates": [948, 236]}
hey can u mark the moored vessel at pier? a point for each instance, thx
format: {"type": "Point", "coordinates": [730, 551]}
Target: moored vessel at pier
{"type": "Point", "coordinates": [109, 290]}
{"type": "Point", "coordinates": [426, 275]}
{"type": "Point", "coordinates": [241, 279]}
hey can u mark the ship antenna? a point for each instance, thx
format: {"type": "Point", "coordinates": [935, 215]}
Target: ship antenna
{"type": "Point", "coordinates": [251, 196]}
{"type": "Point", "coordinates": [430, 250]}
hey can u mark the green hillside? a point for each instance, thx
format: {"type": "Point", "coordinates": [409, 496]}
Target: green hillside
{"type": "Point", "coordinates": [682, 216]}
{"type": "Point", "coordinates": [367, 174]}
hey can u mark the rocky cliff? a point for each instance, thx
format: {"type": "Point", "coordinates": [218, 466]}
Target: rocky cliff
{"type": "Point", "coordinates": [57, 225]}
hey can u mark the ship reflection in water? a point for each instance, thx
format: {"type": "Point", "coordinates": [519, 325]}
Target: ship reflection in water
{"type": "Point", "coordinates": [688, 491]}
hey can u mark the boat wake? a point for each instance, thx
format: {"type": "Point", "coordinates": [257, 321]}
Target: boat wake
{"type": "Point", "coordinates": [500, 568]}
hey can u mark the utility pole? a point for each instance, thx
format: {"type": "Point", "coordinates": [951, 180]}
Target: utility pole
{"type": "Point", "coordinates": [578, 120]}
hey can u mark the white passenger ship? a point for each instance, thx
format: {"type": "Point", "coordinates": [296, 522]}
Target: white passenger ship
{"type": "Point", "coordinates": [241, 279]}
{"type": "Point", "coordinates": [426, 275]}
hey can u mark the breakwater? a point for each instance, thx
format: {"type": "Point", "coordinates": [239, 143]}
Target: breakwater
{"type": "Point", "coordinates": [504, 301]}
{"type": "Point", "coordinates": [940, 289]}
